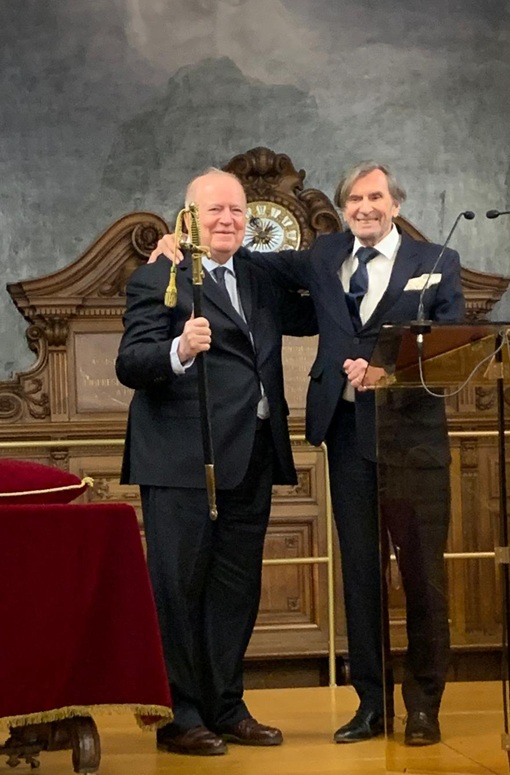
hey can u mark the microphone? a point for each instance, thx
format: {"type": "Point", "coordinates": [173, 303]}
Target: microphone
{"type": "Point", "coordinates": [496, 213]}
{"type": "Point", "coordinates": [421, 326]}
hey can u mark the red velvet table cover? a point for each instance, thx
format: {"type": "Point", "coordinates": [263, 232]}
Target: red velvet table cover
{"type": "Point", "coordinates": [78, 622]}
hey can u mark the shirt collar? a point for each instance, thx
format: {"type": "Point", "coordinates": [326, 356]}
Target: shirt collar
{"type": "Point", "coordinates": [387, 247]}
{"type": "Point", "coordinates": [209, 264]}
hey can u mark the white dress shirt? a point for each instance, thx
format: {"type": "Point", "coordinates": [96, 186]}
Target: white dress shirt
{"type": "Point", "coordinates": [379, 271]}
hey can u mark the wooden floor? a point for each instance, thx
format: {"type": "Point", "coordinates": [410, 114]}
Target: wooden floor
{"type": "Point", "coordinates": [471, 720]}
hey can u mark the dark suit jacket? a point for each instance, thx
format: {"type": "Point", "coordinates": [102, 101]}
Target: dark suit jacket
{"type": "Point", "coordinates": [317, 270]}
{"type": "Point", "coordinates": [163, 442]}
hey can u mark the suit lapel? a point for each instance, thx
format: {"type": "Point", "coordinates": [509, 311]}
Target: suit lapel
{"type": "Point", "coordinates": [407, 264]}
{"type": "Point", "coordinates": [214, 295]}
{"type": "Point", "coordinates": [333, 294]}
{"type": "Point", "coordinates": [245, 287]}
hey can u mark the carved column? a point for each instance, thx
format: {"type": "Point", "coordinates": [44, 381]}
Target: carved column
{"type": "Point", "coordinates": [56, 330]}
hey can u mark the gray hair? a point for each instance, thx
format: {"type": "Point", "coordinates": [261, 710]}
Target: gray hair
{"type": "Point", "coordinates": [359, 171]}
{"type": "Point", "coordinates": [208, 171]}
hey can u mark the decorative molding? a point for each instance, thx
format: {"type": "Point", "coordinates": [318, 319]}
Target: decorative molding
{"type": "Point", "coordinates": [55, 331]}
{"type": "Point", "coordinates": [145, 236]}
{"type": "Point", "coordinates": [101, 491]}
{"type": "Point", "coordinates": [485, 398]}
{"type": "Point", "coordinates": [60, 458]}
{"type": "Point", "coordinates": [23, 399]}
{"type": "Point", "coordinates": [91, 289]}
{"type": "Point", "coordinates": [11, 407]}
{"type": "Point", "coordinates": [303, 488]}
{"type": "Point", "coordinates": [469, 454]}
{"type": "Point", "coordinates": [482, 292]}
{"type": "Point", "coordinates": [72, 291]}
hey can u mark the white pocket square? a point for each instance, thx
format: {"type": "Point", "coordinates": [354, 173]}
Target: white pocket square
{"type": "Point", "coordinates": [419, 283]}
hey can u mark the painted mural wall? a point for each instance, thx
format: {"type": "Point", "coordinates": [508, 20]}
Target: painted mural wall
{"type": "Point", "coordinates": [110, 106]}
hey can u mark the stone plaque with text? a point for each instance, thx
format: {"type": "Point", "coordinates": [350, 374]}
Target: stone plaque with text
{"type": "Point", "coordinates": [97, 387]}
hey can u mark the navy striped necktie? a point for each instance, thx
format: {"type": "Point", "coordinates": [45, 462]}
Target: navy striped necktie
{"type": "Point", "coordinates": [358, 285]}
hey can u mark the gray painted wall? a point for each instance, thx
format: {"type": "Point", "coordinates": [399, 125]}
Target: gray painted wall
{"type": "Point", "coordinates": [109, 106]}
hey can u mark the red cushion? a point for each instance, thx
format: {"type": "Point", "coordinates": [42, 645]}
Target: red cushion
{"type": "Point", "coordinates": [23, 481]}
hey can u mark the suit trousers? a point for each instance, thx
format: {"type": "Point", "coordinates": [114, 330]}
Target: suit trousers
{"type": "Point", "coordinates": [206, 578]}
{"type": "Point", "coordinates": [353, 483]}
{"type": "Point", "coordinates": [414, 505]}
{"type": "Point", "coordinates": [415, 511]}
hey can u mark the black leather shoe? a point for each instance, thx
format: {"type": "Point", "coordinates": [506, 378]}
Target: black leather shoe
{"type": "Point", "coordinates": [197, 741]}
{"type": "Point", "coordinates": [422, 729]}
{"type": "Point", "coordinates": [363, 726]}
{"type": "Point", "coordinates": [250, 732]}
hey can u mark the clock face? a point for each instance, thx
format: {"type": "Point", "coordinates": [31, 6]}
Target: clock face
{"type": "Point", "coordinates": [271, 227]}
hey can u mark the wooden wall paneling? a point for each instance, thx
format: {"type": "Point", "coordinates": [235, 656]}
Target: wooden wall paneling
{"type": "Point", "coordinates": [293, 616]}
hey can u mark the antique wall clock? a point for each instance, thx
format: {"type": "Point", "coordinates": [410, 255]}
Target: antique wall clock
{"type": "Point", "coordinates": [271, 226]}
{"type": "Point", "coordinates": [282, 213]}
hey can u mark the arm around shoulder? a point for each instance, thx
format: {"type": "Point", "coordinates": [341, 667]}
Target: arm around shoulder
{"type": "Point", "coordinates": [289, 268]}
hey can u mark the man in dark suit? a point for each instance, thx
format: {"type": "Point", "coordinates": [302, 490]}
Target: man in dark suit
{"type": "Point", "coordinates": [206, 575]}
{"type": "Point", "coordinates": [359, 280]}
{"type": "Point", "coordinates": [352, 302]}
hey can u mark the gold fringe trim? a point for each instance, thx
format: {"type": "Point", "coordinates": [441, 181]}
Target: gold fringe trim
{"type": "Point", "coordinates": [87, 480]}
{"type": "Point", "coordinates": [160, 714]}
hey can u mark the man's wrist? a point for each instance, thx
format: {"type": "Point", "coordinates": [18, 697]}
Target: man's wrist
{"type": "Point", "coordinates": [179, 366]}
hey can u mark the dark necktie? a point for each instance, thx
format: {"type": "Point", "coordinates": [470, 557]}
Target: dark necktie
{"type": "Point", "coordinates": [219, 273]}
{"type": "Point", "coordinates": [358, 285]}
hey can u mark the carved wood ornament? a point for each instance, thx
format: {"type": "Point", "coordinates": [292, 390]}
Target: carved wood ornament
{"type": "Point", "coordinates": [88, 294]}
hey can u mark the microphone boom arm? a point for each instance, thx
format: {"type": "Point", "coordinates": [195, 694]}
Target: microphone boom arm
{"type": "Point", "coordinates": [421, 326]}
{"type": "Point", "coordinates": [420, 317]}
